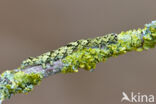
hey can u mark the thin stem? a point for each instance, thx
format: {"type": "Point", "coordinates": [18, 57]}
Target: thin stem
{"type": "Point", "coordinates": [85, 53]}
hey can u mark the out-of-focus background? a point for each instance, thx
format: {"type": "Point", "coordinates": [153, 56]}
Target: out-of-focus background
{"type": "Point", "coordinates": [32, 27]}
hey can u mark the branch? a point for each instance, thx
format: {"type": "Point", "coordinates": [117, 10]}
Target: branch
{"type": "Point", "coordinates": [79, 54]}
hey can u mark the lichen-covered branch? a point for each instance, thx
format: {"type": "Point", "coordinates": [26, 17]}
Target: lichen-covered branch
{"type": "Point", "coordinates": [85, 54]}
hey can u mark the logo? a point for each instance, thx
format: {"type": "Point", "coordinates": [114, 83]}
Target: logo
{"type": "Point", "coordinates": [137, 97]}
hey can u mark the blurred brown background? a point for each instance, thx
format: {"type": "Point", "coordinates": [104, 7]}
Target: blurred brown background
{"type": "Point", "coordinates": [32, 27]}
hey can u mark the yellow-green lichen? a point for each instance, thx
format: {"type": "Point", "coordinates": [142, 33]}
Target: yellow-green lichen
{"type": "Point", "coordinates": [150, 35]}
{"type": "Point", "coordinates": [112, 44]}
{"type": "Point", "coordinates": [107, 46]}
{"type": "Point", "coordinates": [85, 53]}
{"type": "Point", "coordinates": [17, 82]}
{"type": "Point", "coordinates": [70, 48]}
{"type": "Point", "coordinates": [86, 58]}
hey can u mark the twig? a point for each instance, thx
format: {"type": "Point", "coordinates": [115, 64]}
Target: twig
{"type": "Point", "coordinates": [79, 54]}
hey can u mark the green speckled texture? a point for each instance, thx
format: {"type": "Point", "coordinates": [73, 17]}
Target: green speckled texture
{"type": "Point", "coordinates": [13, 82]}
{"type": "Point", "coordinates": [85, 54]}
{"type": "Point", "coordinates": [110, 45]}
{"type": "Point", "coordinates": [67, 50]}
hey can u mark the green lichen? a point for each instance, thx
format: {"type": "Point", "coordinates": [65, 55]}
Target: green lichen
{"type": "Point", "coordinates": [13, 82]}
{"type": "Point", "coordinates": [85, 54]}
{"type": "Point", "coordinates": [150, 35]}
{"type": "Point", "coordinates": [87, 58]}
{"type": "Point", "coordinates": [112, 44]}
{"type": "Point", "coordinates": [67, 50]}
